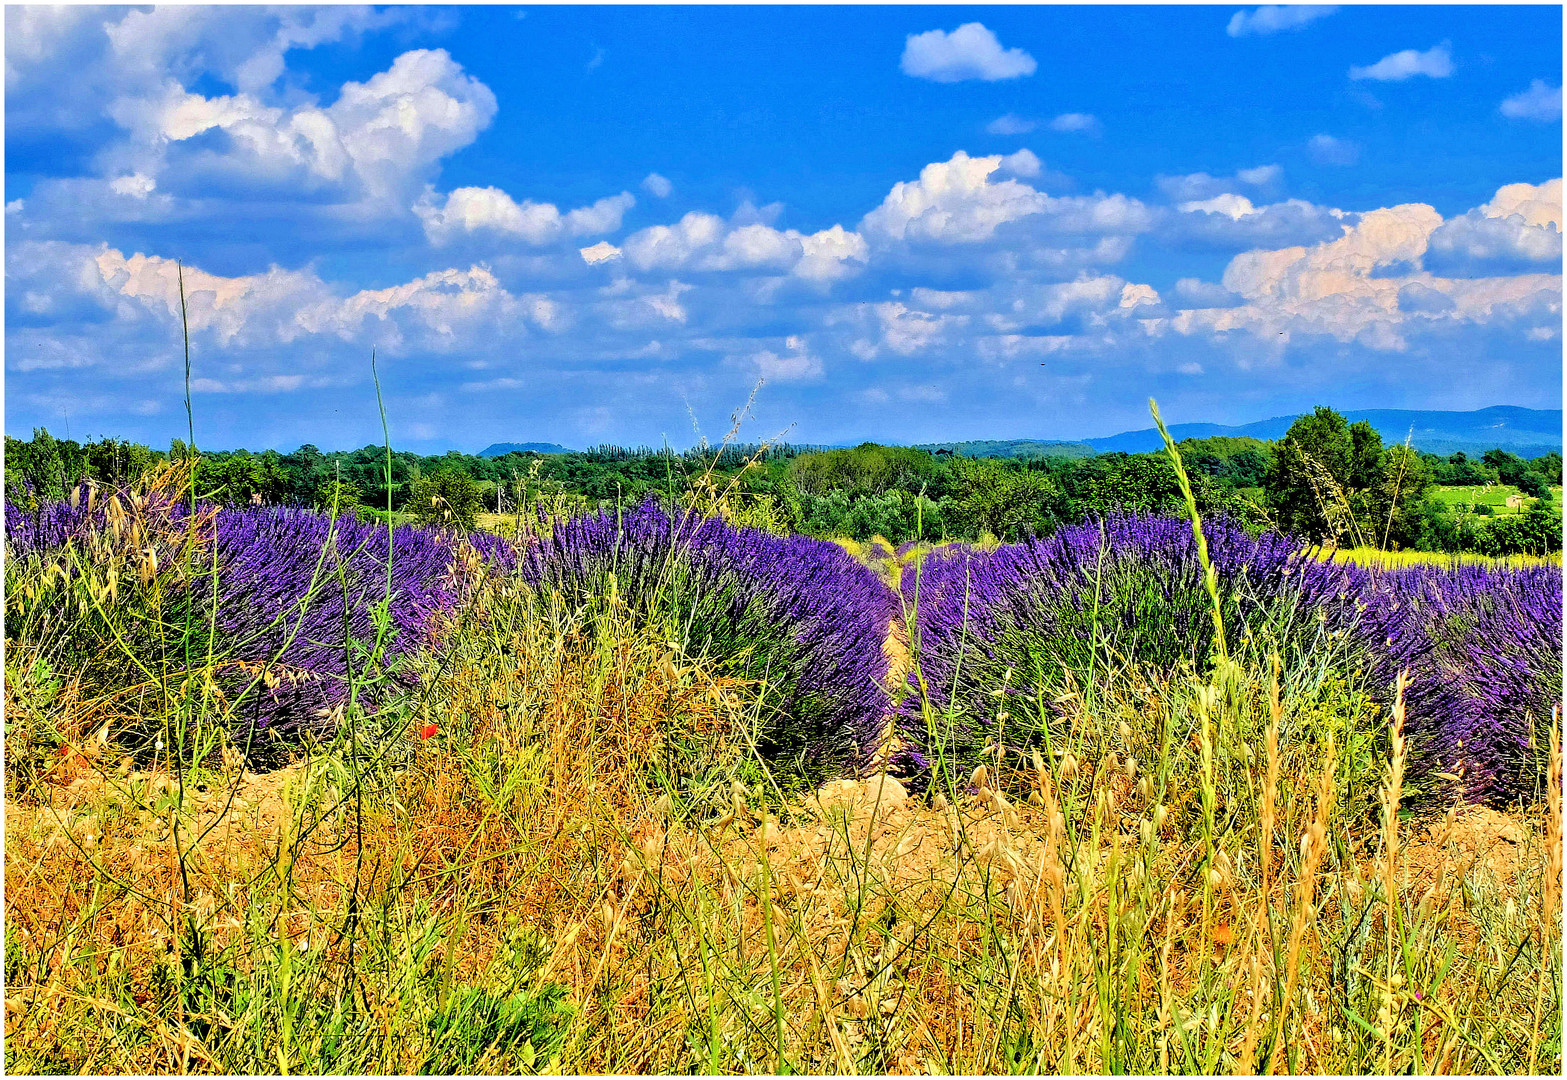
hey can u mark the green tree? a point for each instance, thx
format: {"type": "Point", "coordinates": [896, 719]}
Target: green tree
{"type": "Point", "coordinates": [1509, 467]}
{"type": "Point", "coordinates": [1549, 466]}
{"type": "Point", "coordinates": [447, 497]}
{"type": "Point", "coordinates": [118, 462]}
{"type": "Point", "coordinates": [1307, 480]}
{"type": "Point", "coordinates": [240, 480]}
{"type": "Point", "coordinates": [46, 467]}
{"type": "Point", "coordinates": [1537, 531]}
{"type": "Point", "coordinates": [1003, 500]}
{"type": "Point", "coordinates": [1533, 485]}
{"type": "Point", "coordinates": [1395, 505]}
{"type": "Point", "coordinates": [1365, 455]}
{"type": "Point", "coordinates": [867, 469]}
{"type": "Point", "coordinates": [343, 495]}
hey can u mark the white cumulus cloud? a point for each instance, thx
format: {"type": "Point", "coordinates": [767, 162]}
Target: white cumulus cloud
{"type": "Point", "coordinates": [795, 364]}
{"type": "Point", "coordinates": [1536, 204]}
{"type": "Point", "coordinates": [603, 251]}
{"type": "Point", "coordinates": [1540, 102]}
{"type": "Point", "coordinates": [1435, 62]}
{"type": "Point", "coordinates": [706, 242]}
{"type": "Point", "coordinates": [1231, 206]}
{"type": "Point", "coordinates": [135, 185]}
{"type": "Point", "coordinates": [380, 134]}
{"type": "Point", "coordinates": [475, 210]}
{"type": "Point", "coordinates": [954, 201]}
{"type": "Point", "coordinates": [657, 186]}
{"type": "Point", "coordinates": [969, 52]}
{"type": "Point", "coordinates": [1271, 18]}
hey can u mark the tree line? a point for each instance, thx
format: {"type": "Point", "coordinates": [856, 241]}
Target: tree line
{"type": "Point", "coordinates": [1326, 481]}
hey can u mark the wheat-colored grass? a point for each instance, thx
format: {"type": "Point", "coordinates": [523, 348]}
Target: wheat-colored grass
{"type": "Point", "coordinates": [587, 818]}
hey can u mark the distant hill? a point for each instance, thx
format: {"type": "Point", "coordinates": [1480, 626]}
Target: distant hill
{"type": "Point", "coordinates": [1525, 432]}
{"type": "Point", "coordinates": [1011, 448]}
{"type": "Point", "coordinates": [501, 449]}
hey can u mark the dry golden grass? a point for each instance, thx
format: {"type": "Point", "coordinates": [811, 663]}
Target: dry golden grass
{"type": "Point", "coordinates": [560, 829]}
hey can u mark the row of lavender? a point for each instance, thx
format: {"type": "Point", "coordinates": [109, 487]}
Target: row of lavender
{"type": "Point", "coordinates": [800, 616]}
{"type": "Point", "coordinates": [293, 591]}
{"type": "Point", "coordinates": [295, 594]}
{"type": "Point", "coordinates": [1482, 645]}
{"type": "Point", "coordinates": [279, 604]}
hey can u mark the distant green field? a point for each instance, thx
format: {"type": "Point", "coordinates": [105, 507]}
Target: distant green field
{"type": "Point", "coordinates": [1495, 497]}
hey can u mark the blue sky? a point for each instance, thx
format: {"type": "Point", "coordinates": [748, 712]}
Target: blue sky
{"type": "Point", "coordinates": [583, 225]}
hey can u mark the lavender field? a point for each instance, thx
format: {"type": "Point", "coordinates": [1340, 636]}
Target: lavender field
{"type": "Point", "coordinates": [657, 791]}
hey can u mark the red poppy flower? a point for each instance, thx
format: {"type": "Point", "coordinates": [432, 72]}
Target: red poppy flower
{"type": "Point", "coordinates": [426, 731]}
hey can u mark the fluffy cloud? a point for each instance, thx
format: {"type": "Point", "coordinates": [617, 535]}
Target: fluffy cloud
{"type": "Point", "coordinates": [1435, 62]}
{"type": "Point", "coordinates": [1535, 204]}
{"type": "Point", "coordinates": [1194, 187]}
{"type": "Point", "coordinates": [279, 306]}
{"type": "Point", "coordinates": [795, 364]}
{"type": "Point", "coordinates": [1366, 285]}
{"type": "Point", "coordinates": [657, 186]}
{"type": "Point", "coordinates": [969, 52]}
{"type": "Point", "coordinates": [831, 254]}
{"type": "Point", "coordinates": [706, 242]}
{"type": "Point", "coordinates": [1341, 267]}
{"type": "Point", "coordinates": [246, 48]}
{"type": "Point", "coordinates": [1233, 207]}
{"type": "Point", "coordinates": [135, 184]}
{"type": "Point", "coordinates": [907, 331]}
{"type": "Point", "coordinates": [1135, 296]}
{"type": "Point", "coordinates": [472, 210]}
{"type": "Point", "coordinates": [958, 202]}
{"type": "Point", "coordinates": [1271, 18]}
{"type": "Point", "coordinates": [247, 168]}
{"type": "Point", "coordinates": [118, 54]}
{"type": "Point", "coordinates": [1518, 231]}
{"type": "Point", "coordinates": [603, 251]}
{"type": "Point", "coordinates": [1540, 102]}
{"type": "Point", "coordinates": [378, 136]}
{"type": "Point", "coordinates": [953, 201]}
{"type": "Point", "coordinates": [1475, 245]}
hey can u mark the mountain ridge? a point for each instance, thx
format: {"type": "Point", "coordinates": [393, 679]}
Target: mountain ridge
{"type": "Point", "coordinates": [1514, 428]}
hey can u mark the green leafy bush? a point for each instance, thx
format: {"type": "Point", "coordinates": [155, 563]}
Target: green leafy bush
{"type": "Point", "coordinates": [445, 498]}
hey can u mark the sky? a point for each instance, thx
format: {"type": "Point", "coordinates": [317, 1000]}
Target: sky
{"type": "Point", "coordinates": [590, 225]}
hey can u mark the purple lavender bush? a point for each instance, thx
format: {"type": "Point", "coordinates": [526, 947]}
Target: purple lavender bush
{"type": "Point", "coordinates": [799, 615]}
{"type": "Point", "coordinates": [1483, 645]}
{"type": "Point", "coordinates": [279, 602]}
{"type": "Point", "coordinates": [1022, 616]}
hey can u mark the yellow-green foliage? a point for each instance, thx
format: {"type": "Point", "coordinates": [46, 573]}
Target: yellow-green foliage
{"type": "Point", "coordinates": [1368, 556]}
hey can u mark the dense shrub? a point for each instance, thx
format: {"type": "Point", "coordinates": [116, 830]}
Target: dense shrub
{"type": "Point", "coordinates": [277, 605]}
{"type": "Point", "coordinates": [448, 497]}
{"type": "Point", "coordinates": [1128, 586]}
{"type": "Point", "coordinates": [1482, 644]}
{"type": "Point", "coordinates": [801, 614]}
